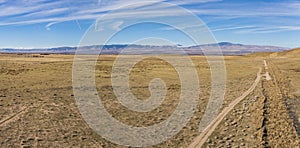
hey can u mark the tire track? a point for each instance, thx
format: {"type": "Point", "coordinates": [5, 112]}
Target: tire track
{"type": "Point", "coordinates": [202, 138]}
{"type": "Point", "coordinates": [10, 118]}
{"type": "Point", "coordinates": [16, 115]}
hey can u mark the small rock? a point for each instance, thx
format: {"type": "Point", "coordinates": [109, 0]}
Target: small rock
{"type": "Point", "coordinates": [226, 124]}
{"type": "Point", "coordinates": [226, 138]}
{"type": "Point", "coordinates": [231, 135]}
{"type": "Point", "coordinates": [39, 139]}
{"type": "Point", "coordinates": [228, 144]}
{"type": "Point", "coordinates": [233, 123]}
{"type": "Point", "coordinates": [240, 118]}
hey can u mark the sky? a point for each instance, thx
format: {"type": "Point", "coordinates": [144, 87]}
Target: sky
{"type": "Point", "coordinates": [55, 23]}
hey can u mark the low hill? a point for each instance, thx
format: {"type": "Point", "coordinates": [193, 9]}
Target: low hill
{"type": "Point", "coordinates": [289, 53]}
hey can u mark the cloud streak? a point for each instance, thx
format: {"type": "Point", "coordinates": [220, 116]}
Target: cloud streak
{"type": "Point", "coordinates": [22, 12]}
{"type": "Point", "coordinates": [258, 16]}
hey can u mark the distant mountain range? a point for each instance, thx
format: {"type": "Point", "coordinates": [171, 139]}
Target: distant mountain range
{"type": "Point", "coordinates": [226, 48]}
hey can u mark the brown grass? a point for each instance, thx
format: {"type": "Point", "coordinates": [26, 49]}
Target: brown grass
{"type": "Point", "coordinates": [43, 85]}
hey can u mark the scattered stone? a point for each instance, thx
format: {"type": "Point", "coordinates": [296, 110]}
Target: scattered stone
{"type": "Point", "coordinates": [226, 138]}
{"type": "Point", "coordinates": [228, 144]}
{"type": "Point", "coordinates": [240, 118]}
{"type": "Point", "coordinates": [39, 139]}
{"type": "Point", "coordinates": [226, 124]}
{"type": "Point", "coordinates": [233, 123]}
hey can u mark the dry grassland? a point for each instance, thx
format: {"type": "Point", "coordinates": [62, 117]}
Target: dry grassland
{"type": "Point", "coordinates": [38, 108]}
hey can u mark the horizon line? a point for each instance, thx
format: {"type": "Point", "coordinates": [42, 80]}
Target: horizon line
{"type": "Point", "coordinates": [128, 44]}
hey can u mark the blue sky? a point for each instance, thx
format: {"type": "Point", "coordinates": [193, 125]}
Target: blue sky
{"type": "Point", "coordinates": [52, 23]}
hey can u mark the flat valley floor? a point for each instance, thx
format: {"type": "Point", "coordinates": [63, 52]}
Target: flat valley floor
{"type": "Point", "coordinates": [38, 108]}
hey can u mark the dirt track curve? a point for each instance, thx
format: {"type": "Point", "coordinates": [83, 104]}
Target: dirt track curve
{"type": "Point", "coordinates": [202, 138]}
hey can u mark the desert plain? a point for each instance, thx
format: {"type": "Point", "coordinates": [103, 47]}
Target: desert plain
{"type": "Point", "coordinates": [38, 108]}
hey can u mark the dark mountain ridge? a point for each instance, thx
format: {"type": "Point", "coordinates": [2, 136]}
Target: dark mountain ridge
{"type": "Point", "coordinates": [227, 48]}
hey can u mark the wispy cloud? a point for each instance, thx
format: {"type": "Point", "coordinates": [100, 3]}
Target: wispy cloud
{"type": "Point", "coordinates": [191, 2]}
{"type": "Point", "coordinates": [41, 11]}
{"type": "Point", "coordinates": [47, 12]}
{"type": "Point", "coordinates": [253, 17]}
{"type": "Point", "coordinates": [116, 25]}
{"type": "Point", "coordinates": [231, 28]}
{"type": "Point", "coordinates": [2, 1]}
{"type": "Point", "coordinates": [270, 29]}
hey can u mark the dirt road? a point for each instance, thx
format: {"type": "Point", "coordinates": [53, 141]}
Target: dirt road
{"type": "Point", "coordinates": [267, 75]}
{"type": "Point", "coordinates": [202, 138]}
{"type": "Point", "coordinates": [279, 129]}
